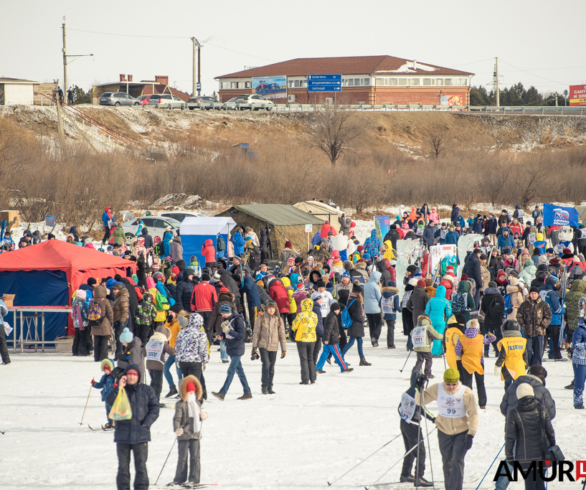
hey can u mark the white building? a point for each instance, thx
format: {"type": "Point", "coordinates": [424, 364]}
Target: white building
{"type": "Point", "coordinates": [14, 91]}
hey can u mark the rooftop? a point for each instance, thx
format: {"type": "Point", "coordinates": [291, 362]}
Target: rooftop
{"type": "Point", "coordinates": [15, 80]}
{"type": "Point", "coordinates": [348, 65]}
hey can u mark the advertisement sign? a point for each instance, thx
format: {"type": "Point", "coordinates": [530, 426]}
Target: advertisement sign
{"type": "Point", "coordinates": [559, 216]}
{"type": "Point", "coordinates": [438, 252]}
{"type": "Point", "coordinates": [452, 100]}
{"type": "Point", "coordinates": [270, 87]}
{"type": "Point", "coordinates": [382, 225]}
{"type": "Point", "coordinates": [578, 95]}
{"type": "Point", "coordinates": [324, 83]}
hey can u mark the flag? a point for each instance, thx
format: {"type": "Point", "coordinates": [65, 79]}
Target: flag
{"type": "Point", "coordinates": [559, 216]}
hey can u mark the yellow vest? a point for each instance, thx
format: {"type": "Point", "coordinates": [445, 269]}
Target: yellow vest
{"type": "Point", "coordinates": [514, 347]}
{"type": "Point", "coordinates": [472, 353]}
{"type": "Point", "coordinates": [451, 357]}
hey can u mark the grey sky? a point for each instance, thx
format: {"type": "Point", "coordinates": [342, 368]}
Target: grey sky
{"type": "Point", "coordinates": [541, 37]}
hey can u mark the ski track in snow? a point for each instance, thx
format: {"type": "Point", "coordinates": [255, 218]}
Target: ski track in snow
{"type": "Point", "coordinates": [300, 438]}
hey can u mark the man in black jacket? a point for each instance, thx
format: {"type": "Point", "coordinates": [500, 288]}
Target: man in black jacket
{"type": "Point", "coordinates": [134, 434]}
{"type": "Point", "coordinates": [393, 236]}
{"type": "Point", "coordinates": [472, 270]}
{"type": "Point", "coordinates": [493, 308]}
{"type": "Point", "coordinates": [184, 290]}
{"type": "Point", "coordinates": [331, 339]}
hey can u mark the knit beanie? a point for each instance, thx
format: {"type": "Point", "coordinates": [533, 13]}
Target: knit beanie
{"type": "Point", "coordinates": [126, 336]}
{"type": "Point", "coordinates": [190, 386]}
{"type": "Point", "coordinates": [91, 281]}
{"type": "Point", "coordinates": [421, 283]}
{"type": "Point", "coordinates": [492, 284]}
{"type": "Point", "coordinates": [461, 319]}
{"type": "Point", "coordinates": [523, 390]}
{"type": "Point", "coordinates": [412, 282]}
{"type": "Point", "coordinates": [225, 308]}
{"type": "Point", "coordinates": [451, 376]}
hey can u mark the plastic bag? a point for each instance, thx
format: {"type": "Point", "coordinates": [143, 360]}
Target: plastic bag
{"type": "Point", "coordinates": [121, 408]}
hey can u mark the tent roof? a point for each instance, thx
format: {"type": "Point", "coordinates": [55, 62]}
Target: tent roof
{"type": "Point", "coordinates": [207, 226]}
{"type": "Point", "coordinates": [279, 214]}
{"type": "Point", "coordinates": [58, 255]}
{"type": "Point", "coordinates": [313, 207]}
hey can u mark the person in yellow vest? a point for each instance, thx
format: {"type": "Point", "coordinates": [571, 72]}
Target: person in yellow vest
{"type": "Point", "coordinates": [456, 326]}
{"type": "Point", "coordinates": [512, 359]}
{"type": "Point", "coordinates": [456, 423]}
{"type": "Point", "coordinates": [470, 348]}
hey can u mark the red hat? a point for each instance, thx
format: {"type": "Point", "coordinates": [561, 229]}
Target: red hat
{"type": "Point", "coordinates": [335, 253]}
{"type": "Point", "coordinates": [464, 277]}
{"type": "Point", "coordinates": [132, 370]}
{"type": "Point", "coordinates": [421, 283]}
{"type": "Point", "coordinates": [190, 386]}
{"type": "Point", "coordinates": [360, 248]}
{"type": "Point", "coordinates": [291, 259]}
{"type": "Point", "coordinates": [288, 244]}
{"type": "Point", "coordinates": [450, 268]}
{"type": "Point", "coordinates": [224, 289]}
{"type": "Point", "coordinates": [175, 270]}
{"type": "Point", "coordinates": [352, 225]}
{"type": "Point", "coordinates": [566, 251]}
{"type": "Point", "coordinates": [300, 285]}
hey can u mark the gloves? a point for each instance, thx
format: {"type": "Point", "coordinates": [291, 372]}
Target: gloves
{"type": "Point", "coordinates": [179, 432]}
{"type": "Point", "coordinates": [469, 441]}
{"type": "Point", "coordinates": [433, 420]}
{"type": "Point", "coordinates": [254, 353]}
{"type": "Point", "coordinates": [497, 371]}
{"type": "Point", "coordinates": [283, 354]}
{"type": "Point", "coordinates": [225, 327]}
{"type": "Point", "coordinates": [204, 415]}
{"type": "Point", "coordinates": [93, 382]}
{"type": "Point", "coordinates": [421, 380]}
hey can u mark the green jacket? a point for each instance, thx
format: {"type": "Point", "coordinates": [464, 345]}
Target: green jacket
{"type": "Point", "coordinates": [572, 298]}
{"type": "Point", "coordinates": [119, 236]}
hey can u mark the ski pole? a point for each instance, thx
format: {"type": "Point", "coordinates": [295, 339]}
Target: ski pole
{"type": "Point", "coordinates": [401, 459]}
{"type": "Point", "coordinates": [88, 399]}
{"type": "Point", "coordinates": [340, 477]}
{"type": "Point", "coordinates": [497, 455]}
{"type": "Point", "coordinates": [174, 441]}
{"type": "Point", "coordinates": [405, 361]}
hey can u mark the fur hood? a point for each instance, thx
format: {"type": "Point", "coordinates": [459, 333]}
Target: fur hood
{"type": "Point", "coordinates": [226, 297]}
{"type": "Point", "coordinates": [195, 381]}
{"type": "Point", "coordinates": [360, 265]}
{"type": "Point", "coordinates": [390, 289]}
{"type": "Point", "coordinates": [161, 333]}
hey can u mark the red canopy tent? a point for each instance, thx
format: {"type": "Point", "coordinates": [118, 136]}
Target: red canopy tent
{"type": "Point", "coordinates": [77, 263]}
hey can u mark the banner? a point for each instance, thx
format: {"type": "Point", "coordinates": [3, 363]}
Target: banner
{"type": "Point", "coordinates": [270, 87]}
{"type": "Point", "coordinates": [382, 225]}
{"type": "Point", "coordinates": [437, 253]}
{"type": "Point", "coordinates": [559, 216]}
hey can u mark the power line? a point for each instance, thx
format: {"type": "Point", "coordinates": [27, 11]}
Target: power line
{"type": "Point", "coordinates": [533, 74]}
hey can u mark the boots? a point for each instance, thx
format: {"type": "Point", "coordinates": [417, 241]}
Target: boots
{"type": "Point", "coordinates": [570, 386]}
{"type": "Point", "coordinates": [364, 363]}
{"type": "Point", "coordinates": [407, 479]}
{"type": "Point", "coordinates": [264, 390]}
{"type": "Point", "coordinates": [422, 482]}
{"type": "Point", "coordinates": [270, 390]}
{"type": "Point", "coordinates": [172, 391]}
{"type": "Point", "coordinates": [246, 396]}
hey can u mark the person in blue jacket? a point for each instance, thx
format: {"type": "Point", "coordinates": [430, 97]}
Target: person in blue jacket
{"type": "Point", "coordinates": [579, 357]}
{"type": "Point", "coordinates": [455, 213]}
{"type": "Point", "coordinates": [470, 221]}
{"type": "Point", "coordinates": [461, 222]}
{"type": "Point", "coordinates": [452, 237]}
{"type": "Point", "coordinates": [106, 384]}
{"type": "Point", "coordinates": [438, 309]}
{"type": "Point", "coordinates": [372, 244]}
{"type": "Point", "coordinates": [548, 293]}
{"type": "Point", "coordinates": [316, 240]}
{"type": "Point", "coordinates": [390, 305]}
{"type": "Point", "coordinates": [477, 226]}
{"type": "Point", "coordinates": [238, 243]}
{"type": "Point", "coordinates": [248, 286]}
{"type": "Point", "coordinates": [134, 434]}
{"type": "Point", "coordinates": [505, 240]}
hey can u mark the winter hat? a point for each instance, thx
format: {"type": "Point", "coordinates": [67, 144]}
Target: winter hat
{"type": "Point", "coordinates": [360, 248]}
{"type": "Point", "coordinates": [175, 270]}
{"type": "Point", "coordinates": [511, 325]}
{"type": "Point", "coordinates": [150, 283]}
{"type": "Point", "coordinates": [507, 250]}
{"type": "Point", "coordinates": [225, 309]}
{"type": "Point", "coordinates": [288, 244]}
{"type": "Point", "coordinates": [464, 277]}
{"type": "Point", "coordinates": [110, 283]}
{"type": "Point", "coordinates": [320, 284]}
{"type": "Point", "coordinates": [159, 275]}
{"type": "Point", "coordinates": [298, 260]}
{"type": "Point", "coordinates": [175, 308]}
{"type": "Point", "coordinates": [549, 251]}
{"type": "Point", "coordinates": [126, 336]}
{"type": "Point", "coordinates": [523, 390]}
{"type": "Point", "coordinates": [533, 290]}
{"type": "Point", "coordinates": [366, 256]}
{"type": "Point", "coordinates": [423, 320]}
{"type": "Point", "coordinates": [492, 284]}
{"type": "Point", "coordinates": [451, 376]}
{"type": "Point", "coordinates": [92, 281]}
{"type": "Point", "coordinates": [300, 286]}
{"type": "Point", "coordinates": [566, 251]}
{"type": "Point", "coordinates": [81, 294]}
{"type": "Point", "coordinates": [485, 239]}
{"type": "Point", "coordinates": [335, 307]}
{"type": "Point", "coordinates": [205, 277]}
{"type": "Point", "coordinates": [248, 238]}
{"type": "Point", "coordinates": [107, 362]}
{"type": "Point", "coordinates": [461, 319]}
{"type": "Point", "coordinates": [421, 283]}
{"type": "Point", "coordinates": [132, 370]}
{"type": "Point", "coordinates": [356, 288]}
{"type": "Point", "coordinates": [183, 322]}
{"type": "Point", "coordinates": [538, 371]}
{"type": "Point", "coordinates": [291, 259]}
{"type": "Point", "coordinates": [473, 324]}
{"type": "Point", "coordinates": [483, 257]}
{"type": "Point", "coordinates": [450, 268]}
{"type": "Point", "coordinates": [190, 386]}
{"type": "Point", "coordinates": [196, 320]}
{"type": "Point", "coordinates": [117, 285]}
{"type": "Point", "coordinates": [412, 282]}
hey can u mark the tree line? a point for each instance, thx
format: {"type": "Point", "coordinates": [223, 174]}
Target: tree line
{"type": "Point", "coordinates": [516, 95]}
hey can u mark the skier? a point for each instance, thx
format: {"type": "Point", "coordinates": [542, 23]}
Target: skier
{"type": "Point", "coordinates": [456, 326]}
{"type": "Point", "coordinates": [411, 431]}
{"type": "Point", "coordinates": [156, 348]}
{"type": "Point", "coordinates": [106, 384]}
{"type": "Point", "coordinates": [438, 309]}
{"type": "Point", "coordinates": [457, 423]}
{"type": "Point", "coordinates": [422, 337]}
{"type": "Point", "coordinates": [134, 434]}
{"type": "Point", "coordinates": [187, 424]}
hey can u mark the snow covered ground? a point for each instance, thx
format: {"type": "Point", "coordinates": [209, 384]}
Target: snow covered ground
{"type": "Point", "coordinates": [300, 438]}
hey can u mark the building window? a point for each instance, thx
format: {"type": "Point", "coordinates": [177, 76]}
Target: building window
{"type": "Point", "coordinates": [247, 84]}
{"type": "Point", "coordinates": [392, 81]}
{"type": "Point", "coordinates": [357, 82]}
{"type": "Point", "coordinates": [448, 81]}
{"type": "Point", "coordinates": [415, 81]}
{"type": "Point", "coordinates": [439, 81]}
{"type": "Point", "coordinates": [366, 82]}
{"type": "Point", "coordinates": [462, 81]}
{"type": "Point", "coordinates": [403, 81]}
{"type": "Point", "coordinates": [351, 82]}
{"type": "Point", "coordinates": [427, 81]}
{"type": "Point", "coordinates": [233, 85]}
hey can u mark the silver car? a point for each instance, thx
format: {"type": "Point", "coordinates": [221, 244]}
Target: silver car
{"type": "Point", "coordinates": [166, 101]}
{"type": "Point", "coordinates": [253, 102]}
{"type": "Point", "coordinates": [203, 102]}
{"type": "Point", "coordinates": [118, 99]}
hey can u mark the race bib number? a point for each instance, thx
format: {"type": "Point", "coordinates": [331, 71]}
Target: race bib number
{"type": "Point", "coordinates": [154, 350]}
{"type": "Point", "coordinates": [418, 337]}
{"type": "Point", "coordinates": [407, 407]}
{"type": "Point", "coordinates": [386, 305]}
{"type": "Point", "coordinates": [531, 238]}
{"type": "Point", "coordinates": [405, 299]}
{"type": "Point", "coordinates": [451, 405]}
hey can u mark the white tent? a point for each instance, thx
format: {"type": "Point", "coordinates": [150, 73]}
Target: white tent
{"type": "Point", "coordinates": [195, 231]}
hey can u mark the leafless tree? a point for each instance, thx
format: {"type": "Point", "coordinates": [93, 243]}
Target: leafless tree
{"type": "Point", "coordinates": [334, 128]}
{"type": "Point", "coordinates": [496, 178]}
{"type": "Point", "coordinates": [532, 175]}
{"type": "Point", "coordinates": [437, 143]}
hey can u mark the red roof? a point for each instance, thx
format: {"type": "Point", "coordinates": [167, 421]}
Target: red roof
{"type": "Point", "coordinates": [348, 65]}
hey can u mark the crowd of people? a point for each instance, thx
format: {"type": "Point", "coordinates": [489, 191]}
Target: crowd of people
{"type": "Point", "coordinates": [520, 289]}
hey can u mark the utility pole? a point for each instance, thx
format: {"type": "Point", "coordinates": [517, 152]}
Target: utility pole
{"type": "Point", "coordinates": [496, 81]}
{"type": "Point", "coordinates": [64, 59]}
{"type": "Point", "coordinates": [58, 102]}
{"type": "Point", "coordinates": [196, 67]}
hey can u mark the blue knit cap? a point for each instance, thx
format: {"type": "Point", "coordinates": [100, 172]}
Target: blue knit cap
{"type": "Point", "coordinates": [225, 308]}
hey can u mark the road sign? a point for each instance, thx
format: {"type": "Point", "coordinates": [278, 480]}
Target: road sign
{"type": "Point", "coordinates": [198, 86]}
{"type": "Point", "coordinates": [324, 83]}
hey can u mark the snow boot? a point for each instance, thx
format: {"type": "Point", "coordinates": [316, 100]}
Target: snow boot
{"type": "Point", "coordinates": [264, 390]}
{"type": "Point", "coordinates": [407, 479]}
{"type": "Point", "coordinates": [270, 390]}
{"type": "Point", "coordinates": [172, 391]}
{"type": "Point", "coordinates": [204, 396]}
{"type": "Point", "coordinates": [570, 386]}
{"type": "Point", "coordinates": [579, 407]}
{"type": "Point", "coordinates": [246, 396]}
{"type": "Point", "coordinates": [320, 371]}
{"type": "Point", "coordinates": [162, 405]}
{"type": "Point", "coordinates": [363, 362]}
{"type": "Point", "coordinates": [348, 370]}
{"type": "Point", "coordinates": [422, 482]}
{"type": "Point", "coordinates": [219, 396]}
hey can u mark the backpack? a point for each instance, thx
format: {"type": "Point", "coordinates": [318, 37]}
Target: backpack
{"type": "Point", "coordinates": [494, 304]}
{"type": "Point", "coordinates": [162, 302]}
{"type": "Point", "coordinates": [459, 302]}
{"type": "Point", "coordinates": [220, 244]}
{"type": "Point", "coordinates": [346, 321]}
{"type": "Point", "coordinates": [94, 314]}
{"type": "Point", "coordinates": [159, 250]}
{"type": "Point", "coordinates": [508, 305]}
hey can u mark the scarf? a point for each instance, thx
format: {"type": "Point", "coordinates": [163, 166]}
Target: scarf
{"type": "Point", "coordinates": [194, 412]}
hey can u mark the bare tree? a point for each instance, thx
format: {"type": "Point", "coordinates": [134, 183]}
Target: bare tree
{"type": "Point", "coordinates": [437, 142]}
{"type": "Point", "coordinates": [334, 128]}
{"type": "Point", "coordinates": [533, 175]}
{"type": "Point", "coordinates": [496, 179]}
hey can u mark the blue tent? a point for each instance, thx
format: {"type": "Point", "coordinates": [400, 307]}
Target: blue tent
{"type": "Point", "coordinates": [195, 231]}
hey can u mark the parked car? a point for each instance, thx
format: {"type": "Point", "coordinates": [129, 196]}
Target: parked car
{"type": "Point", "coordinates": [253, 102]}
{"type": "Point", "coordinates": [204, 103]}
{"type": "Point", "coordinates": [155, 224]}
{"type": "Point", "coordinates": [117, 99]}
{"type": "Point", "coordinates": [181, 216]}
{"type": "Point", "coordinates": [166, 101]}
{"type": "Point", "coordinates": [144, 99]}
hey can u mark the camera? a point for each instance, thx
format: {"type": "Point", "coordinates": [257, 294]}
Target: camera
{"type": "Point", "coordinates": [255, 356]}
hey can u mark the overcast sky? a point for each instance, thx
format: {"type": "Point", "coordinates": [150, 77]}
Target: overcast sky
{"type": "Point", "coordinates": [538, 42]}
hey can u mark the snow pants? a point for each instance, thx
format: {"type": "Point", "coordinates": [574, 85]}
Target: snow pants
{"type": "Point", "coordinates": [157, 381]}
{"type": "Point", "coordinates": [305, 350]}
{"type": "Point", "coordinates": [453, 449]}
{"type": "Point", "coordinates": [423, 357]}
{"type": "Point", "coordinates": [391, 333]}
{"type": "Point", "coordinates": [188, 451]}
{"type": "Point", "coordinates": [316, 349]}
{"type": "Point", "coordinates": [579, 378]}
{"type": "Point", "coordinates": [82, 342]}
{"type": "Point", "coordinates": [410, 433]}
{"type": "Point", "coordinates": [140, 453]}
{"type": "Point", "coordinates": [332, 350]}
{"type": "Point", "coordinates": [374, 325]}
{"type": "Point", "coordinates": [101, 347]}
{"type": "Point", "coordinates": [4, 345]}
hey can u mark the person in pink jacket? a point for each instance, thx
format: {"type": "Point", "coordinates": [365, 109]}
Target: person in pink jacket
{"type": "Point", "coordinates": [433, 216]}
{"type": "Point", "coordinates": [208, 251]}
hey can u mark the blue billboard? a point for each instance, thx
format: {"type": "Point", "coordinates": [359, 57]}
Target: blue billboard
{"type": "Point", "coordinates": [270, 87]}
{"type": "Point", "coordinates": [324, 83]}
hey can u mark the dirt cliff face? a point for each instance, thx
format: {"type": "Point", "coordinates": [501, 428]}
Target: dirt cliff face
{"type": "Point", "coordinates": [408, 132]}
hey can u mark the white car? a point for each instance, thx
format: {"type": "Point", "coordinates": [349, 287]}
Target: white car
{"type": "Point", "coordinates": [254, 102]}
{"type": "Point", "coordinates": [179, 216]}
{"type": "Point", "coordinates": [156, 226]}
{"type": "Point", "coordinates": [166, 101]}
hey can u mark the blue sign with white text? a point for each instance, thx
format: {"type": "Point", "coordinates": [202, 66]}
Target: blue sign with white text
{"type": "Point", "coordinates": [324, 83]}
{"type": "Point", "coordinates": [559, 216]}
